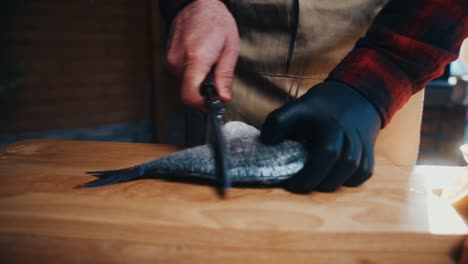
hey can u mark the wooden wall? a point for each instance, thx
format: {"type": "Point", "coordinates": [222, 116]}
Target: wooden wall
{"type": "Point", "coordinates": [84, 63]}
{"type": "Point", "coordinates": [169, 112]}
{"type": "Point", "coordinates": [442, 133]}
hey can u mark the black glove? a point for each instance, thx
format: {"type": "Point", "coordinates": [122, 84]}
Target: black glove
{"type": "Point", "coordinates": [339, 127]}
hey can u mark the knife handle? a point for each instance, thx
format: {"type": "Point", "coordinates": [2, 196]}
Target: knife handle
{"type": "Point", "coordinates": [212, 101]}
{"type": "Point", "coordinates": [208, 86]}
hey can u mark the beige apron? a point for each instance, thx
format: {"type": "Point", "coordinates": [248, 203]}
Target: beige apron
{"type": "Point", "coordinates": [287, 46]}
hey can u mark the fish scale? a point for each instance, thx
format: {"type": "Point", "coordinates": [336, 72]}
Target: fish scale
{"type": "Point", "coordinates": [250, 161]}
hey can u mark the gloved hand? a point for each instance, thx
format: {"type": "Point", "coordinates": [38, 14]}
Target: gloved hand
{"type": "Point", "coordinates": [339, 127]}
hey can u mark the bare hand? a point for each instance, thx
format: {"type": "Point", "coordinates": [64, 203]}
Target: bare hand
{"type": "Point", "coordinates": [203, 34]}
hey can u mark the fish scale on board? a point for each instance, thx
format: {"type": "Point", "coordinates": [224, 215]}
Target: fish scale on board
{"type": "Point", "coordinates": [250, 161]}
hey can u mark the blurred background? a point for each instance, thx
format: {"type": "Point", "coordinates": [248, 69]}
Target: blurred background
{"type": "Point", "coordinates": [92, 70]}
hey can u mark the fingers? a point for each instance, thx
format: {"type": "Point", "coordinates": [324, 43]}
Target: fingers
{"type": "Point", "coordinates": [282, 123]}
{"type": "Point", "coordinates": [175, 55]}
{"type": "Point", "coordinates": [346, 165]}
{"type": "Point", "coordinates": [336, 158]}
{"type": "Point", "coordinates": [323, 157]}
{"type": "Point", "coordinates": [197, 69]}
{"type": "Point", "coordinates": [194, 74]}
{"type": "Point", "coordinates": [365, 169]}
{"type": "Point", "coordinates": [224, 72]}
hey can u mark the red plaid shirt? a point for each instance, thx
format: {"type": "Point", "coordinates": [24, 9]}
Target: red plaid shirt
{"type": "Point", "coordinates": [409, 44]}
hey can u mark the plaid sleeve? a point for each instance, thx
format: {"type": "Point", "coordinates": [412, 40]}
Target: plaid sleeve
{"type": "Point", "coordinates": [408, 45]}
{"type": "Point", "coordinates": [170, 8]}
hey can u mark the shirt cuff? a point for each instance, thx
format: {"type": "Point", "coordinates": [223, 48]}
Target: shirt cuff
{"type": "Point", "coordinates": [387, 68]}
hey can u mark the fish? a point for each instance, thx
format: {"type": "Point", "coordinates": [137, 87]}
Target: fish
{"type": "Point", "coordinates": [249, 161]}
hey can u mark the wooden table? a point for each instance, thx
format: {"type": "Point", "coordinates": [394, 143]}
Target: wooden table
{"type": "Point", "coordinates": [393, 218]}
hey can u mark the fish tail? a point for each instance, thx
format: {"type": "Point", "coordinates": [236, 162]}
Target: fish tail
{"type": "Point", "coordinates": [113, 176]}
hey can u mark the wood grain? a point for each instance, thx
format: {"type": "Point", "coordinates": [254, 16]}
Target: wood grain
{"type": "Point", "coordinates": [390, 219]}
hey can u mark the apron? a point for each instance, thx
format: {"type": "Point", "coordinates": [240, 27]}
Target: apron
{"type": "Point", "coordinates": [288, 46]}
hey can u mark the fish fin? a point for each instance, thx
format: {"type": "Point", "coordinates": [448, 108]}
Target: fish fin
{"type": "Point", "coordinates": [101, 174]}
{"type": "Point", "coordinates": [112, 177]}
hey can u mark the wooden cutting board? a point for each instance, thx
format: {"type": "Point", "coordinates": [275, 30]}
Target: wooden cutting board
{"type": "Point", "coordinates": [393, 218]}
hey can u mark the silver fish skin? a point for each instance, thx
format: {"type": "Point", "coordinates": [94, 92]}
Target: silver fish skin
{"type": "Point", "coordinates": [250, 161]}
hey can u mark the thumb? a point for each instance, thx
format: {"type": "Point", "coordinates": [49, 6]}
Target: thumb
{"type": "Point", "coordinates": [280, 124]}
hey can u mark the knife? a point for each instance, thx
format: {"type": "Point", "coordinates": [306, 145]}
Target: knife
{"type": "Point", "coordinates": [216, 112]}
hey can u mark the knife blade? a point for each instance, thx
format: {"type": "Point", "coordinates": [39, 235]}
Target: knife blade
{"type": "Point", "coordinates": [216, 112]}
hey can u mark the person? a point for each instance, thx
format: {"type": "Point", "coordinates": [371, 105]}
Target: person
{"type": "Point", "coordinates": [286, 47]}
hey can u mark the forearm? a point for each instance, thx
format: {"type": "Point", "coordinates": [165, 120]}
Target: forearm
{"type": "Point", "coordinates": [409, 44]}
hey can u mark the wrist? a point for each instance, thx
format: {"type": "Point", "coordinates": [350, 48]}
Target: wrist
{"type": "Point", "coordinates": [169, 9]}
{"type": "Point", "coordinates": [374, 77]}
{"type": "Point", "coordinates": [346, 99]}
